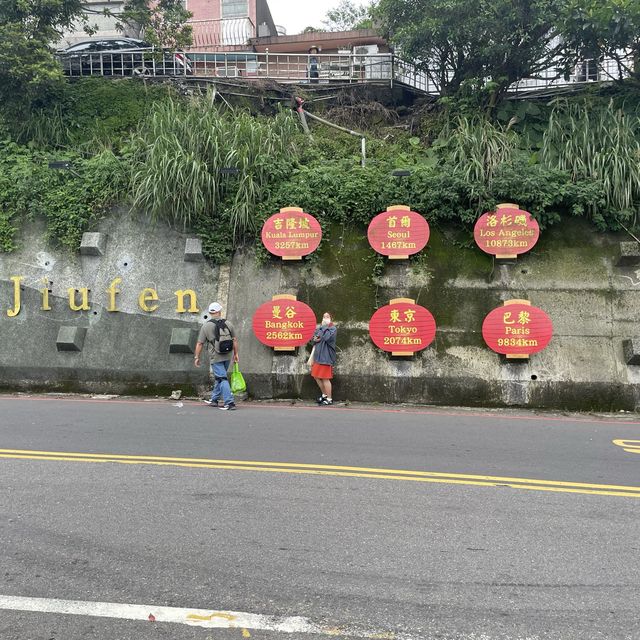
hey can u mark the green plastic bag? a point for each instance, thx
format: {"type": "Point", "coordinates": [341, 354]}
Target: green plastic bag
{"type": "Point", "coordinates": [238, 385]}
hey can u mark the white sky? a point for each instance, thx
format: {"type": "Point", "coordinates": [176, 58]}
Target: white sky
{"type": "Point", "coordinates": [295, 15]}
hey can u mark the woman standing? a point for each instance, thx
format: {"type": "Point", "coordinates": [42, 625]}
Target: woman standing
{"type": "Point", "coordinates": [324, 357]}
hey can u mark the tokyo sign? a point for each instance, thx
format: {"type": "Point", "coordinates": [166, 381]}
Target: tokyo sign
{"type": "Point", "coordinates": [402, 327]}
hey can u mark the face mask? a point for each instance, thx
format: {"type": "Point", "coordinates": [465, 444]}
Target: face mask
{"type": "Point", "coordinates": [326, 321]}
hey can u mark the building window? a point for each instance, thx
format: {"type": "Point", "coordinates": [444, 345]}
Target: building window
{"type": "Point", "coordinates": [235, 8]}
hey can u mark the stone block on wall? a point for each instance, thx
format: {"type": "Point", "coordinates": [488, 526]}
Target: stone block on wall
{"type": "Point", "coordinates": [70, 338]}
{"type": "Point", "coordinates": [193, 250]}
{"type": "Point", "coordinates": [631, 350]}
{"type": "Point", "coordinates": [93, 244]}
{"type": "Point", "coordinates": [629, 254]}
{"type": "Point", "coordinates": [183, 340]}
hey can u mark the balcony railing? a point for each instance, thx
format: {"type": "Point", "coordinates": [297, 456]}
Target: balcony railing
{"type": "Point", "coordinates": [212, 35]}
{"type": "Point", "coordinates": [384, 68]}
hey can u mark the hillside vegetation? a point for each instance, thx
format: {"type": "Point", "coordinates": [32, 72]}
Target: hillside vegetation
{"type": "Point", "coordinates": [170, 156]}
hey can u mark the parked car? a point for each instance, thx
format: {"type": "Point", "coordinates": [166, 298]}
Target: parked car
{"type": "Point", "coordinates": [122, 57]}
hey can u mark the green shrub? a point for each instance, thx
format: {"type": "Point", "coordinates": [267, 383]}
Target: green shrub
{"type": "Point", "coordinates": [600, 145]}
{"type": "Point", "coordinates": [180, 153]}
{"type": "Point", "coordinates": [69, 201]}
{"type": "Point", "coordinates": [89, 111]}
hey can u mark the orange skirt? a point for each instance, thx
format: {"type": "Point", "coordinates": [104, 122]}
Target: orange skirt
{"type": "Point", "coordinates": [322, 371]}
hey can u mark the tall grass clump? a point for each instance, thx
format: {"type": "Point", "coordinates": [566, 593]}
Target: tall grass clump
{"type": "Point", "coordinates": [476, 148]}
{"type": "Point", "coordinates": [600, 145]}
{"type": "Point", "coordinates": [183, 153]}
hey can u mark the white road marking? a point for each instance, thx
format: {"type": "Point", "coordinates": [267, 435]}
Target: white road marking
{"type": "Point", "coordinates": [210, 618]}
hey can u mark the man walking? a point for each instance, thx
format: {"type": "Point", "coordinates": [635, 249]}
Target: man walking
{"type": "Point", "coordinates": [223, 348]}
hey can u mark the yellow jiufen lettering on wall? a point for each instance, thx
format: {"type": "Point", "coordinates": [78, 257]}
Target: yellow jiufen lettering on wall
{"type": "Point", "coordinates": [84, 305]}
{"type": "Point", "coordinates": [193, 301]}
{"type": "Point", "coordinates": [146, 296]}
{"type": "Point", "coordinates": [45, 295]}
{"type": "Point", "coordinates": [112, 291]}
{"type": "Point", "coordinates": [12, 313]}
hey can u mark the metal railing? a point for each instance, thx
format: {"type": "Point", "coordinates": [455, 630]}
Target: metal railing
{"type": "Point", "coordinates": [126, 62]}
{"type": "Point", "coordinates": [585, 72]}
{"type": "Point", "coordinates": [294, 67]}
{"type": "Point", "coordinates": [302, 68]}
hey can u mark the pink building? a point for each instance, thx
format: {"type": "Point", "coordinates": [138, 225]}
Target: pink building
{"type": "Point", "coordinates": [220, 25]}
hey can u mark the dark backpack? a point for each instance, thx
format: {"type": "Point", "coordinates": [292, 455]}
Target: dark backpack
{"type": "Point", "coordinates": [223, 341]}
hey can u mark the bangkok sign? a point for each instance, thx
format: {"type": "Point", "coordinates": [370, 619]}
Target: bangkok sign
{"type": "Point", "coordinates": [284, 323]}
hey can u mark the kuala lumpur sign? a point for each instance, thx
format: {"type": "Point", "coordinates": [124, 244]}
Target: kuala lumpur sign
{"type": "Point", "coordinates": [291, 234]}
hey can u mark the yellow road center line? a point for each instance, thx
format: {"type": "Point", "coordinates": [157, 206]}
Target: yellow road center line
{"type": "Point", "coordinates": [331, 470]}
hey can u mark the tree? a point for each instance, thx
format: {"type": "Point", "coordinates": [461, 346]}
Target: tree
{"type": "Point", "coordinates": [488, 43]}
{"type": "Point", "coordinates": [164, 22]}
{"type": "Point", "coordinates": [597, 29]}
{"type": "Point", "coordinates": [29, 29]}
{"type": "Point", "coordinates": [348, 16]}
{"type": "Point", "coordinates": [28, 68]}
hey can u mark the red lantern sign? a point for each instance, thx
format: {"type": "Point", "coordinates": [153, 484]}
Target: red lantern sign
{"type": "Point", "coordinates": [517, 329]}
{"type": "Point", "coordinates": [398, 232]}
{"type": "Point", "coordinates": [291, 234]}
{"type": "Point", "coordinates": [402, 327]}
{"type": "Point", "coordinates": [284, 323]}
{"type": "Point", "coordinates": [506, 232]}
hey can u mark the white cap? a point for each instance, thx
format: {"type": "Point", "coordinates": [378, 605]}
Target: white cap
{"type": "Point", "coordinates": [215, 307]}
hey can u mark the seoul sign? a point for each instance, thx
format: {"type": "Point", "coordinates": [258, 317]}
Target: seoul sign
{"type": "Point", "coordinates": [398, 232]}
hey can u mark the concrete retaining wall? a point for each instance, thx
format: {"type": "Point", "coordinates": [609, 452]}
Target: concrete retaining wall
{"type": "Point", "coordinates": [572, 274]}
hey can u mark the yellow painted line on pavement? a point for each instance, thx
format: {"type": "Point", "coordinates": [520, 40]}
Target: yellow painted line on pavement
{"type": "Point", "coordinates": [332, 470]}
{"type": "Point", "coordinates": [631, 446]}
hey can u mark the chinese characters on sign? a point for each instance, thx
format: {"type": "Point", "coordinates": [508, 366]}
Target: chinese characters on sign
{"type": "Point", "coordinates": [402, 327]}
{"type": "Point", "coordinates": [284, 323]}
{"type": "Point", "coordinates": [398, 232]}
{"type": "Point", "coordinates": [506, 232]}
{"type": "Point", "coordinates": [517, 329]}
{"type": "Point", "coordinates": [291, 234]}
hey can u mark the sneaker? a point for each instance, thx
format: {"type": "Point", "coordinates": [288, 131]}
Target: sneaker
{"type": "Point", "coordinates": [211, 403]}
{"type": "Point", "coordinates": [326, 401]}
{"type": "Point", "coordinates": [319, 399]}
{"type": "Point", "coordinates": [228, 407]}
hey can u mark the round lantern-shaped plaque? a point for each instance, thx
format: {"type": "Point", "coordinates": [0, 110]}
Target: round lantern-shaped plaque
{"type": "Point", "coordinates": [517, 329]}
{"type": "Point", "coordinates": [402, 327]}
{"type": "Point", "coordinates": [284, 323]}
{"type": "Point", "coordinates": [398, 232]}
{"type": "Point", "coordinates": [506, 232]}
{"type": "Point", "coordinates": [291, 234]}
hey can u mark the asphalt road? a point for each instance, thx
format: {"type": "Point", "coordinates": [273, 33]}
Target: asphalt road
{"type": "Point", "coordinates": [363, 522]}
